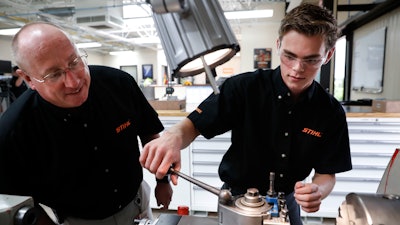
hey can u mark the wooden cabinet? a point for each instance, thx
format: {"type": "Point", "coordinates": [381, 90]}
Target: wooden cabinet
{"type": "Point", "coordinates": [372, 141]}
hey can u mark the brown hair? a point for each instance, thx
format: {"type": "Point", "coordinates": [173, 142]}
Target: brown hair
{"type": "Point", "coordinates": [311, 20]}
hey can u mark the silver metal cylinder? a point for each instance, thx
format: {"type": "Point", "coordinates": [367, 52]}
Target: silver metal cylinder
{"type": "Point", "coordinates": [200, 30]}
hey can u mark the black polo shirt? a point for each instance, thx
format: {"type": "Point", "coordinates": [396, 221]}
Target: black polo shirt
{"type": "Point", "coordinates": [271, 133]}
{"type": "Point", "coordinates": [82, 162]}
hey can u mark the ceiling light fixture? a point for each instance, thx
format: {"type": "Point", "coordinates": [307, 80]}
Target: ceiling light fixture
{"type": "Point", "coordinates": [121, 52]}
{"type": "Point", "coordinates": [195, 35]}
{"type": "Point", "coordinates": [88, 45]}
{"type": "Point", "coordinates": [249, 14]}
{"type": "Point", "coordinates": [136, 11]}
{"type": "Point", "coordinates": [9, 32]}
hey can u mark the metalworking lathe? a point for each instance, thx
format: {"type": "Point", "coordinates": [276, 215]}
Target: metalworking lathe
{"type": "Point", "coordinates": [248, 209]}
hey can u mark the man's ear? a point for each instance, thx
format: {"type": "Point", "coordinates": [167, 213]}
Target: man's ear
{"type": "Point", "coordinates": [278, 44]}
{"type": "Point", "coordinates": [27, 78]}
{"type": "Point", "coordinates": [329, 55]}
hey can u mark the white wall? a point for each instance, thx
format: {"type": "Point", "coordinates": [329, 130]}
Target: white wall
{"type": "Point", "coordinates": [262, 35]}
{"type": "Point", "coordinates": [259, 36]}
{"type": "Point", "coordinates": [138, 57]}
{"type": "Point", "coordinates": [391, 78]}
{"type": "Point", "coordinates": [5, 48]}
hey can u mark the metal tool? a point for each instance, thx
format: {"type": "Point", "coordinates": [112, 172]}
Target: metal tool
{"type": "Point", "coordinates": [17, 210]}
{"type": "Point", "coordinates": [380, 208]}
{"type": "Point", "coordinates": [248, 209]}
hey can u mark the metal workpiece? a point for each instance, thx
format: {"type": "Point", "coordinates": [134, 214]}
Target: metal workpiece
{"type": "Point", "coordinates": [248, 209]}
{"type": "Point", "coordinates": [272, 198]}
{"type": "Point", "coordinates": [283, 210]}
{"type": "Point", "coordinates": [380, 208]}
{"type": "Point", "coordinates": [368, 209]}
{"type": "Point", "coordinates": [271, 191]}
{"type": "Point", "coordinates": [17, 210]}
{"type": "Point", "coordinates": [252, 203]}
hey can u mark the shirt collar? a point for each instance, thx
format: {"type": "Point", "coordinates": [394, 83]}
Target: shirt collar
{"type": "Point", "coordinates": [78, 112]}
{"type": "Point", "coordinates": [283, 92]}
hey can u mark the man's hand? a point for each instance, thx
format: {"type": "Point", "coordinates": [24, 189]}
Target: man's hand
{"type": "Point", "coordinates": [163, 193]}
{"type": "Point", "coordinates": [308, 196]}
{"type": "Point", "coordinates": [159, 154]}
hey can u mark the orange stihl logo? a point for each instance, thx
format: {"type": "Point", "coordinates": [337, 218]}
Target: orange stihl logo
{"type": "Point", "coordinates": [312, 132]}
{"type": "Point", "coordinates": [123, 126]}
{"type": "Point", "coordinates": [199, 110]}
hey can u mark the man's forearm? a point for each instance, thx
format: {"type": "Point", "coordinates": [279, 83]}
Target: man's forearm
{"type": "Point", "coordinates": [325, 182]}
{"type": "Point", "coordinates": [185, 130]}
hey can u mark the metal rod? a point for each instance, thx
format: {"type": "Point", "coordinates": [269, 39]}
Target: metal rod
{"type": "Point", "coordinates": [205, 186]}
{"type": "Point", "coordinates": [210, 76]}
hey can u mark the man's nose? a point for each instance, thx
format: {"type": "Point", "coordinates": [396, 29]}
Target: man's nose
{"type": "Point", "coordinates": [298, 65]}
{"type": "Point", "coordinates": [71, 79]}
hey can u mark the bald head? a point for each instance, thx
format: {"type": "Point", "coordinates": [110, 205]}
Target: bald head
{"type": "Point", "coordinates": [41, 50]}
{"type": "Point", "coordinates": [37, 39]}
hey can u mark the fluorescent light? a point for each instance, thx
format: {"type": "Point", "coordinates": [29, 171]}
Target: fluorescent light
{"type": "Point", "coordinates": [249, 14]}
{"type": "Point", "coordinates": [139, 22]}
{"type": "Point", "coordinates": [9, 32]}
{"type": "Point", "coordinates": [145, 40]}
{"type": "Point", "coordinates": [136, 11]}
{"type": "Point", "coordinates": [210, 58]}
{"type": "Point", "coordinates": [121, 52]}
{"type": "Point", "coordinates": [88, 45]}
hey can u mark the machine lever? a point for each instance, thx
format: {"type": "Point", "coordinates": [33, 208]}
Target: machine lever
{"type": "Point", "coordinates": [197, 182]}
{"type": "Point", "coordinates": [224, 195]}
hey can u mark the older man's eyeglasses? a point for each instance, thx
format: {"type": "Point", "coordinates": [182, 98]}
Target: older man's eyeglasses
{"type": "Point", "coordinates": [74, 66]}
{"type": "Point", "coordinates": [291, 61]}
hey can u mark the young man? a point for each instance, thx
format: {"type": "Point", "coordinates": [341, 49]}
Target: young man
{"type": "Point", "coordinates": [281, 120]}
{"type": "Point", "coordinates": [71, 141]}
